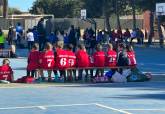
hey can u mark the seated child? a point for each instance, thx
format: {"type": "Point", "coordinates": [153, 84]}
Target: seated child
{"type": "Point", "coordinates": [33, 60]}
{"type": "Point", "coordinates": [47, 61]}
{"type": "Point", "coordinates": [71, 62]}
{"type": "Point", "coordinates": [111, 57]}
{"type": "Point", "coordinates": [131, 55]}
{"type": "Point", "coordinates": [6, 72]}
{"type": "Point", "coordinates": [99, 60]}
{"type": "Point", "coordinates": [61, 58]}
{"type": "Point", "coordinates": [82, 61]}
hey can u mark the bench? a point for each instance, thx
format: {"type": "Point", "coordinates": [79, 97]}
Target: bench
{"type": "Point", "coordinates": [4, 53]}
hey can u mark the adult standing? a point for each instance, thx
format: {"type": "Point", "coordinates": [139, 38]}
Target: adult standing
{"type": "Point", "coordinates": [2, 39]}
{"type": "Point", "coordinates": [30, 38]}
{"type": "Point", "coordinates": [141, 37]}
{"type": "Point", "coordinates": [133, 35]}
{"type": "Point", "coordinates": [11, 35]}
{"type": "Point", "coordinates": [35, 33]}
{"type": "Point", "coordinates": [41, 34]}
{"type": "Point", "coordinates": [71, 37]}
{"type": "Point", "coordinates": [126, 35]}
{"type": "Point", "coordinates": [19, 33]}
{"type": "Point", "coordinates": [78, 34]}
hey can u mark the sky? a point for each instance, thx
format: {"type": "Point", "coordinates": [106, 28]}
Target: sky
{"type": "Point", "coordinates": [22, 5]}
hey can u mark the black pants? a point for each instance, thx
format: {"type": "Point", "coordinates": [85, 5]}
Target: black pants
{"type": "Point", "coordinates": [99, 72]}
{"type": "Point", "coordinates": [30, 44]}
{"type": "Point", "coordinates": [42, 42]}
{"type": "Point", "coordinates": [18, 42]}
{"type": "Point", "coordinates": [31, 73]}
{"type": "Point", "coordinates": [71, 75]}
{"type": "Point", "coordinates": [63, 73]}
{"type": "Point", "coordinates": [80, 73]}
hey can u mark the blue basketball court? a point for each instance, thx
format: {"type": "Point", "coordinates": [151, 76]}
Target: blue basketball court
{"type": "Point", "coordinates": [75, 98]}
{"type": "Point", "coordinates": [124, 98]}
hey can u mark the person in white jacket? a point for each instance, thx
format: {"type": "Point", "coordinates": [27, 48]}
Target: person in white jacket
{"type": "Point", "coordinates": [30, 38]}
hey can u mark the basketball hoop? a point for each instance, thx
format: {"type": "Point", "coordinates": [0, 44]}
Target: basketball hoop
{"type": "Point", "coordinates": [83, 14]}
{"type": "Point", "coordinates": [83, 17]}
{"type": "Point", "coordinates": [160, 9]}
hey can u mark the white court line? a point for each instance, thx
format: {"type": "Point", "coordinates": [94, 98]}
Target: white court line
{"type": "Point", "coordinates": [38, 86]}
{"type": "Point", "coordinates": [43, 107]}
{"type": "Point", "coordinates": [144, 109]}
{"type": "Point", "coordinates": [28, 86]}
{"type": "Point", "coordinates": [50, 85]}
{"type": "Point", "coordinates": [111, 108]}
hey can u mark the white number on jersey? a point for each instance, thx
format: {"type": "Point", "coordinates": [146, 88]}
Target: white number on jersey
{"type": "Point", "coordinates": [63, 61]}
{"type": "Point", "coordinates": [71, 62]}
{"type": "Point", "coordinates": [49, 62]}
{"type": "Point", "coordinates": [111, 59]}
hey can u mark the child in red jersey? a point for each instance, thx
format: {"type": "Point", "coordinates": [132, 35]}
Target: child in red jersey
{"type": "Point", "coordinates": [33, 60]}
{"type": "Point", "coordinates": [82, 60]}
{"type": "Point", "coordinates": [99, 60]}
{"type": "Point", "coordinates": [131, 55]}
{"type": "Point", "coordinates": [71, 61]}
{"type": "Point", "coordinates": [111, 57]}
{"type": "Point", "coordinates": [6, 72]}
{"type": "Point", "coordinates": [47, 61]}
{"type": "Point", "coordinates": [61, 58]}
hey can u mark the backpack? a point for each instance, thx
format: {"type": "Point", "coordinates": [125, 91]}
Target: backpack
{"type": "Point", "coordinates": [109, 74]}
{"type": "Point", "coordinates": [25, 79]}
{"type": "Point", "coordinates": [100, 79]}
{"type": "Point", "coordinates": [126, 72]}
{"type": "Point", "coordinates": [138, 76]}
{"type": "Point", "coordinates": [118, 78]}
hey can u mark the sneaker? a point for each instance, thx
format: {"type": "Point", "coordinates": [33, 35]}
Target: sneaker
{"type": "Point", "coordinates": [50, 79]}
{"type": "Point", "coordinates": [38, 80]}
{"type": "Point", "coordinates": [56, 78]}
{"type": "Point", "coordinates": [43, 79]}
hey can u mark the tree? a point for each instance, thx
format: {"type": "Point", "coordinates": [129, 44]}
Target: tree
{"type": "Point", "coordinates": [151, 7]}
{"type": "Point", "coordinates": [116, 7]}
{"type": "Point", "coordinates": [133, 13]}
{"type": "Point", "coordinates": [0, 12]}
{"type": "Point", "coordinates": [14, 11]}
{"type": "Point", "coordinates": [120, 8]}
{"type": "Point", "coordinates": [59, 8]}
{"type": "Point", "coordinates": [94, 8]}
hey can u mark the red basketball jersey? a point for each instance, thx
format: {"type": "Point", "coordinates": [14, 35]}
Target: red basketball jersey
{"type": "Point", "coordinates": [111, 58]}
{"type": "Point", "coordinates": [61, 59]}
{"type": "Point", "coordinates": [99, 59]}
{"type": "Point", "coordinates": [82, 59]}
{"type": "Point", "coordinates": [47, 60]}
{"type": "Point", "coordinates": [33, 60]}
{"type": "Point", "coordinates": [71, 59]}
{"type": "Point", "coordinates": [132, 59]}
{"type": "Point", "coordinates": [6, 73]}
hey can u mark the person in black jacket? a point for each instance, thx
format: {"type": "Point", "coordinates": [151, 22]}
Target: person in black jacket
{"type": "Point", "coordinates": [72, 38]}
{"type": "Point", "coordinates": [41, 34]}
